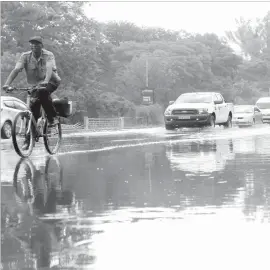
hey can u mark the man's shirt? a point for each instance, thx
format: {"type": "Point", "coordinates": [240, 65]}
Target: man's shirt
{"type": "Point", "coordinates": [36, 68]}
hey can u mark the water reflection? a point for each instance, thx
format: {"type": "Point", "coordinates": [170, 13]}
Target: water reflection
{"type": "Point", "coordinates": [249, 145]}
{"type": "Point", "coordinates": [37, 191]}
{"type": "Point", "coordinates": [126, 199]}
{"type": "Point", "coordinates": [200, 157]}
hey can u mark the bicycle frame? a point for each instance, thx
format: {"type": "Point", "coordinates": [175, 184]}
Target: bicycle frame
{"type": "Point", "coordinates": [32, 119]}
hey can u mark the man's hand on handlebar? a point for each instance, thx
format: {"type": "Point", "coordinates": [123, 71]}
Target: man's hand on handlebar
{"type": "Point", "coordinates": [43, 84]}
{"type": "Point", "coordinates": [8, 88]}
{"type": "Point", "coordinates": [40, 87]}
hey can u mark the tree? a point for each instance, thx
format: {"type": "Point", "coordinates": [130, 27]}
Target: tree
{"type": "Point", "coordinates": [101, 62]}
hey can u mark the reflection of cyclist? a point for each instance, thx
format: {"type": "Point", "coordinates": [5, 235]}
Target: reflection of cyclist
{"type": "Point", "coordinates": [40, 68]}
{"type": "Point", "coordinates": [46, 195]}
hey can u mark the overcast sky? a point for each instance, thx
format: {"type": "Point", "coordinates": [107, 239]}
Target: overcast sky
{"type": "Point", "coordinates": [193, 17]}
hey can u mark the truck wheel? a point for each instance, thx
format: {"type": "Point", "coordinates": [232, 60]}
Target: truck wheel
{"type": "Point", "coordinates": [169, 127]}
{"type": "Point", "coordinates": [228, 124]}
{"type": "Point", "coordinates": [212, 121]}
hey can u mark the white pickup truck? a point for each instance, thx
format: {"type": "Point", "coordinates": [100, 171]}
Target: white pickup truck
{"type": "Point", "coordinates": [264, 105]}
{"type": "Point", "coordinates": [198, 109]}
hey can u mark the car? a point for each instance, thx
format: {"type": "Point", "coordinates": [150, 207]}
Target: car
{"type": "Point", "coordinates": [264, 105]}
{"type": "Point", "coordinates": [247, 115]}
{"type": "Point", "coordinates": [10, 106]}
{"type": "Point", "coordinates": [198, 109]}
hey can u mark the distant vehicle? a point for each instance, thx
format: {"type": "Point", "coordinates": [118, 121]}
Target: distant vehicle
{"type": "Point", "coordinates": [198, 109]}
{"type": "Point", "coordinates": [247, 115]}
{"type": "Point", "coordinates": [10, 106]}
{"type": "Point", "coordinates": [264, 105]}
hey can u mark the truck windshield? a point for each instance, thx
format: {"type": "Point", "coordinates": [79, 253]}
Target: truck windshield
{"type": "Point", "coordinates": [194, 98]}
{"type": "Point", "coordinates": [264, 105]}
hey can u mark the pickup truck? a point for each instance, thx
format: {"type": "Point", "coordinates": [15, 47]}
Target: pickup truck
{"type": "Point", "coordinates": [198, 109]}
{"type": "Point", "coordinates": [264, 105]}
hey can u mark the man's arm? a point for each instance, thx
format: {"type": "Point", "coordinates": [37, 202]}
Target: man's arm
{"type": "Point", "coordinates": [49, 68]}
{"type": "Point", "coordinates": [14, 73]}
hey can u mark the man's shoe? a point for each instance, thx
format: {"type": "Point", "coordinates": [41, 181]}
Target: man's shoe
{"type": "Point", "coordinates": [54, 122]}
{"type": "Point", "coordinates": [26, 144]}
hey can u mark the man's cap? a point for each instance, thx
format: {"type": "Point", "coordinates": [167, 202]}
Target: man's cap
{"type": "Point", "coordinates": [36, 38]}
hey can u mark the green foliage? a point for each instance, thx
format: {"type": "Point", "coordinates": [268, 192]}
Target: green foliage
{"type": "Point", "coordinates": [111, 105]}
{"type": "Point", "coordinates": [152, 113]}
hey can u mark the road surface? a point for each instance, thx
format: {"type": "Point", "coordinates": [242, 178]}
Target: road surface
{"type": "Point", "coordinates": [140, 199]}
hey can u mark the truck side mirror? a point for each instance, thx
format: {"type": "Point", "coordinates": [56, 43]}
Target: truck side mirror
{"type": "Point", "coordinates": [171, 102]}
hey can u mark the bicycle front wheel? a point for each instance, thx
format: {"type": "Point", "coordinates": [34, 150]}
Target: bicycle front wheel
{"type": "Point", "coordinates": [22, 136]}
{"type": "Point", "coordinates": [52, 137]}
{"type": "Point", "coordinates": [22, 181]}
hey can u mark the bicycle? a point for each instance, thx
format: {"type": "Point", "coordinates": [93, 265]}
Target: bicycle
{"type": "Point", "coordinates": [31, 183]}
{"type": "Point", "coordinates": [25, 125]}
{"type": "Point", "coordinates": [26, 178]}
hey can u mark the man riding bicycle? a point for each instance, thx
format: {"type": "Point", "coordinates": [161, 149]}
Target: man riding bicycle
{"type": "Point", "coordinates": [40, 68]}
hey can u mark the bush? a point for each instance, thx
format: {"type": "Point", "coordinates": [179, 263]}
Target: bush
{"type": "Point", "coordinates": [152, 113]}
{"type": "Point", "coordinates": [112, 105]}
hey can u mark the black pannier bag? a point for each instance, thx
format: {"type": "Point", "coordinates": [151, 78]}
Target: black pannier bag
{"type": "Point", "coordinates": [63, 107]}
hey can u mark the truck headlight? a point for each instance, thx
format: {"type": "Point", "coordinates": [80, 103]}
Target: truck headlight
{"type": "Point", "coordinates": [168, 112]}
{"type": "Point", "coordinates": [203, 110]}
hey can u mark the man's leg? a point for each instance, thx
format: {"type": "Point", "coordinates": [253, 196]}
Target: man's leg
{"type": "Point", "coordinates": [46, 102]}
{"type": "Point", "coordinates": [35, 109]}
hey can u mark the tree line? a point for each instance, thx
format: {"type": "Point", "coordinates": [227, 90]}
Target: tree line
{"type": "Point", "coordinates": [103, 65]}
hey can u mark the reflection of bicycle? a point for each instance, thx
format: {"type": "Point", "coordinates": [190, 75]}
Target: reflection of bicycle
{"type": "Point", "coordinates": [33, 186]}
{"type": "Point", "coordinates": [22, 126]}
{"type": "Point", "coordinates": [39, 189]}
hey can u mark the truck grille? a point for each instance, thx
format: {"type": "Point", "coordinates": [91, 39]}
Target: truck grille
{"type": "Point", "coordinates": [184, 111]}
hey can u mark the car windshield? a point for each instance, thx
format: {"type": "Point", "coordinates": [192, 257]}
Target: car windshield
{"type": "Point", "coordinates": [243, 109]}
{"type": "Point", "coordinates": [195, 98]}
{"type": "Point", "coordinates": [264, 105]}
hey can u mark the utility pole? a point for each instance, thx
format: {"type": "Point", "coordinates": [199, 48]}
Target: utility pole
{"type": "Point", "coordinates": [146, 72]}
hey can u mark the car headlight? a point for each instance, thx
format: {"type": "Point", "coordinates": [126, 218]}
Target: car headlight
{"type": "Point", "coordinates": [203, 110]}
{"type": "Point", "coordinates": [168, 112]}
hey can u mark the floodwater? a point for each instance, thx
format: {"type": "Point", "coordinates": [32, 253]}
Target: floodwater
{"type": "Point", "coordinates": [145, 199]}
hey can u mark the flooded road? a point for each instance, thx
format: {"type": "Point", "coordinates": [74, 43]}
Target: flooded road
{"type": "Point", "coordinates": [146, 199]}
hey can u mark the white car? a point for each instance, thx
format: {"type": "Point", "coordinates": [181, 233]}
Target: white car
{"type": "Point", "coordinates": [10, 106]}
{"type": "Point", "coordinates": [247, 115]}
{"type": "Point", "coordinates": [198, 109]}
{"type": "Point", "coordinates": [264, 105]}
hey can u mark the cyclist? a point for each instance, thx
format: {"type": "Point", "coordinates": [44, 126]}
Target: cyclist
{"type": "Point", "coordinates": [40, 68]}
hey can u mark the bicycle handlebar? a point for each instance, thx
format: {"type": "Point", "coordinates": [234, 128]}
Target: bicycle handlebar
{"type": "Point", "coordinates": [28, 89]}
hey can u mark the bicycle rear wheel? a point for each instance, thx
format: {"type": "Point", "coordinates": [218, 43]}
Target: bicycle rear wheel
{"type": "Point", "coordinates": [19, 133]}
{"type": "Point", "coordinates": [52, 137]}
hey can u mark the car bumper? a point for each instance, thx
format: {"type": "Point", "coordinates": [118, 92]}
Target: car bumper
{"type": "Point", "coordinates": [266, 119]}
{"type": "Point", "coordinates": [193, 120]}
{"type": "Point", "coordinates": [242, 122]}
